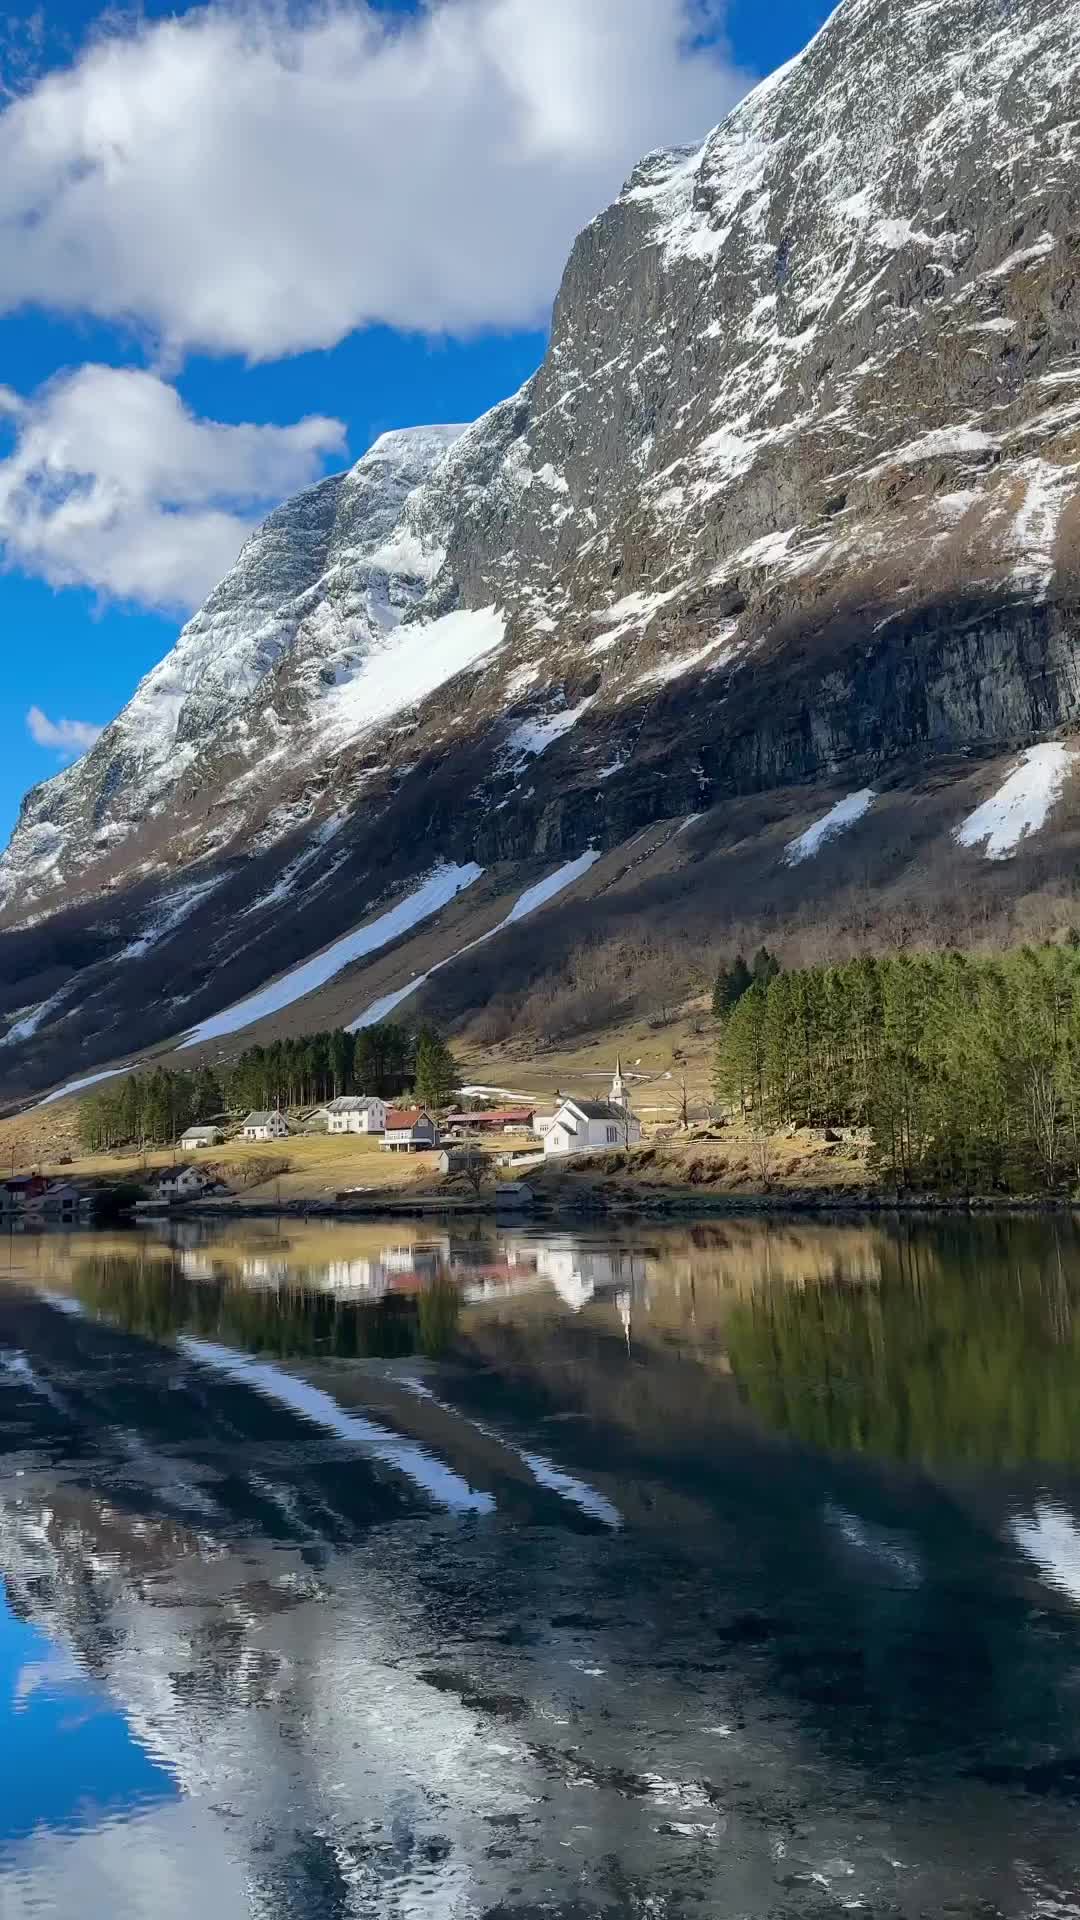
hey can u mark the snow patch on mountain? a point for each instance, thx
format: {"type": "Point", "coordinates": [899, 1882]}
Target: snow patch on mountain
{"type": "Point", "coordinates": [718, 652]}
{"type": "Point", "coordinates": [844, 814]}
{"type": "Point", "coordinates": [527, 903]}
{"type": "Point", "coordinates": [437, 891]}
{"type": "Point", "coordinates": [533, 737]}
{"type": "Point", "coordinates": [286, 882]}
{"type": "Point", "coordinates": [79, 1086]}
{"type": "Point", "coordinates": [1022, 805]}
{"type": "Point", "coordinates": [170, 912]}
{"type": "Point", "coordinates": [28, 1019]}
{"type": "Point", "coordinates": [632, 614]}
{"type": "Point", "coordinates": [406, 667]}
{"type": "Point", "coordinates": [1048, 490]}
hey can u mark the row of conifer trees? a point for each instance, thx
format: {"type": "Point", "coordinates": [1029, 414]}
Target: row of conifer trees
{"type": "Point", "coordinates": [965, 1069]}
{"type": "Point", "coordinates": [156, 1107]}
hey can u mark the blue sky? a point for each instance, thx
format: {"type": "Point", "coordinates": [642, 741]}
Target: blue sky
{"type": "Point", "coordinates": [304, 233]}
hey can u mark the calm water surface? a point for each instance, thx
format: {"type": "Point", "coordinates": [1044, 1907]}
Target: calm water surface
{"type": "Point", "coordinates": [392, 1571]}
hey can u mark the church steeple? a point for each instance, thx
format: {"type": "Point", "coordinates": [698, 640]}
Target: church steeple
{"type": "Point", "coordinates": [618, 1087]}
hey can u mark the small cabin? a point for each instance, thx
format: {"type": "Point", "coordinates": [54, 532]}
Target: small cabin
{"type": "Point", "coordinates": [463, 1160]}
{"type": "Point", "coordinates": [197, 1138]}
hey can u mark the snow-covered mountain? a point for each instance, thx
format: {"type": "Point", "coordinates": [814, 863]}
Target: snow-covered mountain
{"type": "Point", "coordinates": [311, 606]}
{"type": "Point", "coordinates": [793, 499]}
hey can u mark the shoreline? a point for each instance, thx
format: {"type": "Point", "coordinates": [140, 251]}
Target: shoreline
{"type": "Point", "coordinates": [591, 1206]}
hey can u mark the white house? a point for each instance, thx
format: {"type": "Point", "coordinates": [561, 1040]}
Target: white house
{"type": "Point", "coordinates": [590, 1126]}
{"type": "Point", "coordinates": [409, 1130]}
{"type": "Point", "coordinates": [181, 1183]}
{"type": "Point", "coordinates": [266, 1126]}
{"type": "Point", "coordinates": [353, 1114]}
{"type": "Point", "coordinates": [197, 1137]}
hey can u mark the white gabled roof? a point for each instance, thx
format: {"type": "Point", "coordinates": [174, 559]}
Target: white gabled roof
{"type": "Point", "coordinates": [593, 1110]}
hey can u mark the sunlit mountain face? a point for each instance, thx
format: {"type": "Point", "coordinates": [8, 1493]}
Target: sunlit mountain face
{"type": "Point", "coordinates": [628, 1571]}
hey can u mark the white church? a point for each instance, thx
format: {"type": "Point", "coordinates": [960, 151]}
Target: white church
{"type": "Point", "coordinates": [593, 1126]}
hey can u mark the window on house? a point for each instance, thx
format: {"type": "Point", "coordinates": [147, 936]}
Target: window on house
{"type": "Point", "coordinates": [612, 1134]}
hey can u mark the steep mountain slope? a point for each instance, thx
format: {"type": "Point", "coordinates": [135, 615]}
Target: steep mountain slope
{"type": "Point", "coordinates": [315, 593]}
{"type": "Point", "coordinates": [792, 500]}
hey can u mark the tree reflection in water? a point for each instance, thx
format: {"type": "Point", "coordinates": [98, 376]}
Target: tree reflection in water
{"type": "Point", "coordinates": [964, 1348]}
{"type": "Point", "coordinates": [155, 1298]}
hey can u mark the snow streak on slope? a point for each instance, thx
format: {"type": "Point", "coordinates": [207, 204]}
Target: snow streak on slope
{"type": "Point", "coordinates": [1022, 805]}
{"type": "Point", "coordinates": [529, 902]}
{"type": "Point", "coordinates": [534, 737]}
{"type": "Point", "coordinates": [844, 814]}
{"type": "Point", "coordinates": [77, 1086]}
{"type": "Point", "coordinates": [436, 892]}
{"type": "Point", "coordinates": [546, 890]}
{"type": "Point", "coordinates": [29, 1019]}
{"type": "Point", "coordinates": [171, 911]}
{"type": "Point", "coordinates": [412, 663]}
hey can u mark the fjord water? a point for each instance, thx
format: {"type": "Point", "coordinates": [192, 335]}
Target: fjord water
{"type": "Point", "coordinates": [402, 1571]}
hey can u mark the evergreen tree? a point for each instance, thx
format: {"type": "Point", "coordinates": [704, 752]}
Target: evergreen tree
{"type": "Point", "coordinates": [207, 1099]}
{"type": "Point", "coordinates": [436, 1073]}
{"type": "Point", "coordinates": [342, 1058]}
{"type": "Point", "coordinates": [765, 968]}
{"type": "Point", "coordinates": [731, 983]}
{"type": "Point", "coordinates": [741, 1069]}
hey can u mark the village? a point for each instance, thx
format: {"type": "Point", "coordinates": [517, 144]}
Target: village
{"type": "Point", "coordinates": [462, 1151]}
{"type": "Point", "coordinates": [471, 1149]}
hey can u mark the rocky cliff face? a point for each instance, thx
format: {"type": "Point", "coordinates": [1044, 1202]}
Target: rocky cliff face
{"type": "Point", "coordinates": [795, 497]}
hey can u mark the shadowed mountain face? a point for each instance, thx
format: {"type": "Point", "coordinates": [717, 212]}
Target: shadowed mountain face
{"type": "Point", "coordinates": [791, 503]}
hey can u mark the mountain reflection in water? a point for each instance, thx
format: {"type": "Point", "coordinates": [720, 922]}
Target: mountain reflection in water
{"type": "Point", "coordinates": [393, 1570]}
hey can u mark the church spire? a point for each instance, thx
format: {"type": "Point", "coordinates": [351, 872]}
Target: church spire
{"type": "Point", "coordinates": [618, 1086]}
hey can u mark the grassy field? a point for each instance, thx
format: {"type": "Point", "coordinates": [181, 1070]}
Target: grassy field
{"type": "Point", "coordinates": [319, 1166]}
{"type": "Point", "coordinates": [656, 1060]}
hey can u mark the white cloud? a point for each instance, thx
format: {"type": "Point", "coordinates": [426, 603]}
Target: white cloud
{"type": "Point", "coordinates": [113, 484]}
{"type": "Point", "coordinates": [259, 182]}
{"type": "Point", "coordinates": [69, 737]}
